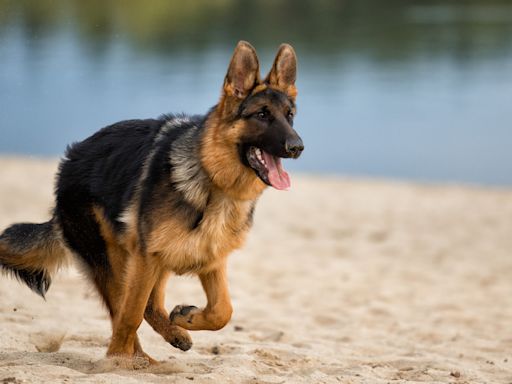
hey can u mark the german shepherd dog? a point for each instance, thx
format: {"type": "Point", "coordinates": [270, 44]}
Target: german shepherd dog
{"type": "Point", "coordinates": [142, 199]}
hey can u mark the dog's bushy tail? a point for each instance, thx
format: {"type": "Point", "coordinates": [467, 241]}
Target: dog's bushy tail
{"type": "Point", "coordinates": [32, 253]}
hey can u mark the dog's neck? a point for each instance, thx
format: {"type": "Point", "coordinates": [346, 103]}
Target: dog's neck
{"type": "Point", "coordinates": [205, 162]}
{"type": "Point", "coordinates": [188, 175]}
{"type": "Point", "coordinates": [221, 160]}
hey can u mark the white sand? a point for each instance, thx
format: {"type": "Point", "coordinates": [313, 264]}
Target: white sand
{"type": "Point", "coordinates": [341, 281]}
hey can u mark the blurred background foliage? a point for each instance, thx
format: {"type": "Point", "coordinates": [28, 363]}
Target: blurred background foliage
{"type": "Point", "coordinates": [384, 30]}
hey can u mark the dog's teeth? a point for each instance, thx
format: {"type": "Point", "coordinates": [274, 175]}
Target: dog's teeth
{"type": "Point", "coordinates": [259, 156]}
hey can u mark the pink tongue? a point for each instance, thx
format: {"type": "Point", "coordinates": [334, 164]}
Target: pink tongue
{"type": "Point", "coordinates": [276, 174]}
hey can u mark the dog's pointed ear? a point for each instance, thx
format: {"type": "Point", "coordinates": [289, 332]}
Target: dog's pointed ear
{"type": "Point", "coordinates": [284, 71]}
{"type": "Point", "coordinates": [243, 72]}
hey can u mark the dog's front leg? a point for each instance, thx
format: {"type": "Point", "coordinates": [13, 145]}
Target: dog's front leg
{"type": "Point", "coordinates": [158, 317]}
{"type": "Point", "coordinates": [218, 310]}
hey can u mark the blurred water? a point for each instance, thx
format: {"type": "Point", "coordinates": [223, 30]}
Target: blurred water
{"type": "Point", "coordinates": [402, 89]}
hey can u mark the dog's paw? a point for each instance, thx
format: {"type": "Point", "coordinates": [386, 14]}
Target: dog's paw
{"type": "Point", "coordinates": [181, 340]}
{"type": "Point", "coordinates": [183, 314]}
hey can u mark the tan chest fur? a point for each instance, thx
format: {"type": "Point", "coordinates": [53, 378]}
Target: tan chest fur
{"type": "Point", "coordinates": [223, 228]}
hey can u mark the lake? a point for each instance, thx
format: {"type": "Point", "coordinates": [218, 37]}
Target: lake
{"type": "Point", "coordinates": [398, 89]}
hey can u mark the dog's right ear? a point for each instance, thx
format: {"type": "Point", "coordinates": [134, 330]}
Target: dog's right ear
{"type": "Point", "coordinates": [243, 72]}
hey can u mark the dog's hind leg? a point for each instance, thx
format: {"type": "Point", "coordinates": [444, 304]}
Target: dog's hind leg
{"type": "Point", "coordinates": [139, 280]}
{"type": "Point", "coordinates": [111, 293]}
{"type": "Point", "coordinates": [157, 316]}
{"type": "Point", "coordinates": [110, 282]}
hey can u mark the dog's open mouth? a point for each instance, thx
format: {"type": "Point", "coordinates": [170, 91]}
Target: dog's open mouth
{"type": "Point", "coordinates": [268, 168]}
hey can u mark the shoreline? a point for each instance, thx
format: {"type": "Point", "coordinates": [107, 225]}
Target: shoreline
{"type": "Point", "coordinates": [342, 177]}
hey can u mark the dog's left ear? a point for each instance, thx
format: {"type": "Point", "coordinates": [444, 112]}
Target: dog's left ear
{"type": "Point", "coordinates": [243, 72]}
{"type": "Point", "coordinates": [284, 71]}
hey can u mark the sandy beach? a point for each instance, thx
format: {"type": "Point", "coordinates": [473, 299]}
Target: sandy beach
{"type": "Point", "coordinates": [341, 281]}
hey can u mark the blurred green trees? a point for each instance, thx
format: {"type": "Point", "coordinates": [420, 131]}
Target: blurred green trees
{"type": "Point", "coordinates": [391, 29]}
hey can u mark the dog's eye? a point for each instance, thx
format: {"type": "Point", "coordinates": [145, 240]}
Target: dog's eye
{"type": "Point", "coordinates": [263, 115]}
{"type": "Point", "coordinates": [290, 115]}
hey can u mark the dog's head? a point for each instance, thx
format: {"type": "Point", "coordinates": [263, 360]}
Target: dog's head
{"type": "Point", "coordinates": [251, 128]}
{"type": "Point", "coordinates": [260, 113]}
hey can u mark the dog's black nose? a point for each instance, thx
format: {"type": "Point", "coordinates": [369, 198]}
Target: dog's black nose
{"type": "Point", "coordinates": [294, 147]}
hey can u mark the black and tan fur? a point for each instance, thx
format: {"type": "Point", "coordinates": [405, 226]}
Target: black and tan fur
{"type": "Point", "coordinates": [141, 200]}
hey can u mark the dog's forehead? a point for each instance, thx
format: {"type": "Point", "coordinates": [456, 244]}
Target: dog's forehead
{"type": "Point", "coordinates": [269, 96]}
